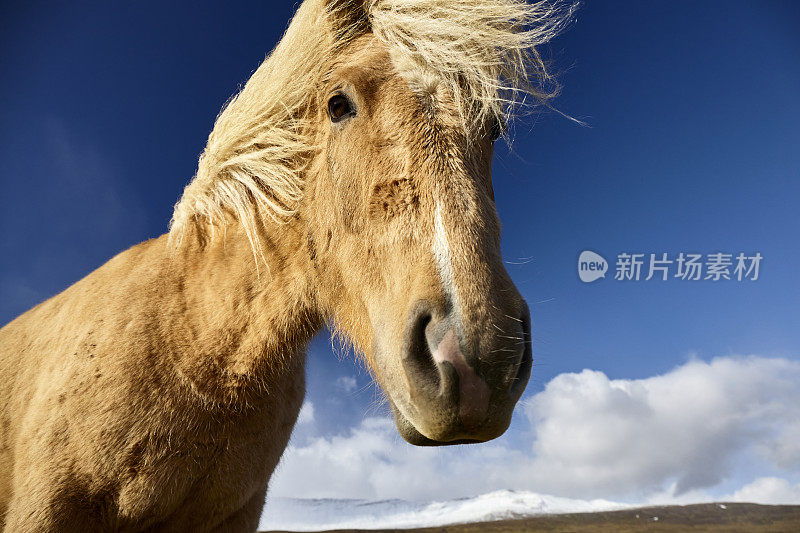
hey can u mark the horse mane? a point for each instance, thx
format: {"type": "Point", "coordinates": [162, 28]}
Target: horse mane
{"type": "Point", "coordinates": [252, 166]}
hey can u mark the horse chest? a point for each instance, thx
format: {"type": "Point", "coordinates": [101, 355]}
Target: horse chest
{"type": "Point", "coordinates": [189, 480]}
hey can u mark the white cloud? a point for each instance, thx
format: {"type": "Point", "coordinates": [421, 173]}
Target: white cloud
{"type": "Point", "coordinates": [306, 415]}
{"type": "Point", "coordinates": [768, 490]}
{"type": "Point", "coordinates": [669, 436]}
{"type": "Point", "coordinates": [633, 436]}
{"type": "Point", "coordinates": [347, 383]}
{"type": "Point", "coordinates": [372, 461]}
{"type": "Point", "coordinates": [784, 450]}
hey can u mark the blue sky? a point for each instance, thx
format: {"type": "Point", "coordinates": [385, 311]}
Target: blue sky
{"type": "Point", "coordinates": [692, 145]}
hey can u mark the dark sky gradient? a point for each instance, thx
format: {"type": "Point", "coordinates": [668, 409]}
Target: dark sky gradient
{"type": "Point", "coordinates": [693, 145]}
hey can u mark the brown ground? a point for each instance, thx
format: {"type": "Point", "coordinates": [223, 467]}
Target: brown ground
{"type": "Point", "coordinates": [707, 517]}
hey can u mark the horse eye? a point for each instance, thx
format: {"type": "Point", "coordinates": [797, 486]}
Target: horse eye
{"type": "Point", "coordinates": [339, 108]}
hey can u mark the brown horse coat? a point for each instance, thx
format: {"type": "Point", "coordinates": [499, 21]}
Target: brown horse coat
{"type": "Point", "coordinates": [349, 182]}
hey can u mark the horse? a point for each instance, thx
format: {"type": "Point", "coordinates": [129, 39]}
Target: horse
{"type": "Point", "coordinates": [347, 184]}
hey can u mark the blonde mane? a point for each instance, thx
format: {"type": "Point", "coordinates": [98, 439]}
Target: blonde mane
{"type": "Point", "coordinates": [252, 166]}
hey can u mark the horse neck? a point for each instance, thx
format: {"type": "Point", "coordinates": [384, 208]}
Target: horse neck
{"type": "Point", "coordinates": [245, 318]}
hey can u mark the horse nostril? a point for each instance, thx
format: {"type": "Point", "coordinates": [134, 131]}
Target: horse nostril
{"type": "Point", "coordinates": [417, 357]}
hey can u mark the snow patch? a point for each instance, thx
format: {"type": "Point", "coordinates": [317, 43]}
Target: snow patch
{"type": "Point", "coordinates": [298, 514]}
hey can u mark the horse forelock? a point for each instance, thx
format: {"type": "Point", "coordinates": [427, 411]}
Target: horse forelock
{"type": "Point", "coordinates": [482, 51]}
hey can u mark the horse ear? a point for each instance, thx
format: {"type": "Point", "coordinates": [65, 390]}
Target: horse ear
{"type": "Point", "coordinates": [348, 16]}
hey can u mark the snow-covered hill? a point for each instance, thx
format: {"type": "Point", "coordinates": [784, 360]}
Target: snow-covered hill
{"type": "Point", "coordinates": [316, 514]}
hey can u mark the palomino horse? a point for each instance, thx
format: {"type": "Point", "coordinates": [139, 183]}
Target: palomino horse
{"type": "Point", "coordinates": [350, 182]}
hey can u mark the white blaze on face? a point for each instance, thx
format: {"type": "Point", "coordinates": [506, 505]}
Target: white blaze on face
{"type": "Point", "coordinates": [441, 253]}
{"type": "Point", "coordinates": [474, 392]}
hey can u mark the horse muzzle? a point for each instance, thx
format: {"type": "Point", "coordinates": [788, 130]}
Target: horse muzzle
{"type": "Point", "coordinates": [456, 395]}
